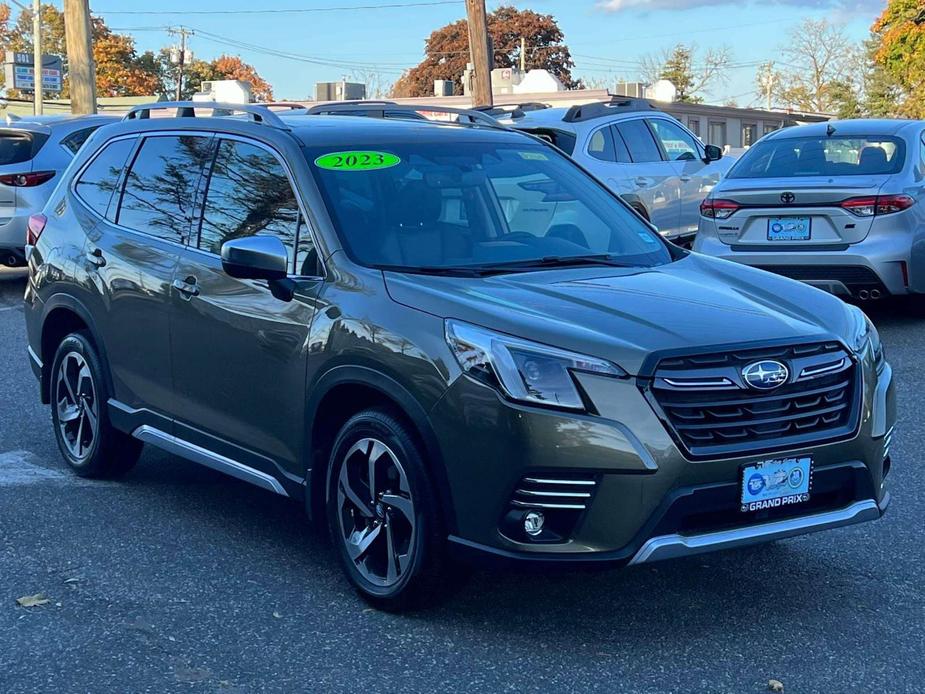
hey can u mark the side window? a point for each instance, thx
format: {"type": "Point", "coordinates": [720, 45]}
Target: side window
{"type": "Point", "coordinates": [675, 142]}
{"type": "Point", "coordinates": [73, 142]}
{"type": "Point", "coordinates": [249, 194]}
{"type": "Point", "coordinates": [160, 189]}
{"type": "Point", "coordinates": [600, 146]}
{"type": "Point", "coordinates": [98, 181]}
{"type": "Point", "coordinates": [639, 141]}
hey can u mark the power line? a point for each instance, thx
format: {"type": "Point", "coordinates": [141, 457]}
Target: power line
{"type": "Point", "coordinates": [294, 10]}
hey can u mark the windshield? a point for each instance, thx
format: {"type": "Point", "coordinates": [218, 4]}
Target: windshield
{"type": "Point", "coordinates": [821, 156]}
{"type": "Point", "coordinates": [452, 204]}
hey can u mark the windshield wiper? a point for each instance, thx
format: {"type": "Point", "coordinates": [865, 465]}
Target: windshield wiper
{"type": "Point", "coordinates": [554, 261]}
{"type": "Point", "coordinates": [438, 270]}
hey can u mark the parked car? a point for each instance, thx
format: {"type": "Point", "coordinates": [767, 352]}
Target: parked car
{"type": "Point", "coordinates": [644, 155]}
{"type": "Point", "coordinates": [447, 340]}
{"type": "Point", "coordinates": [33, 151]}
{"type": "Point", "coordinates": [837, 205]}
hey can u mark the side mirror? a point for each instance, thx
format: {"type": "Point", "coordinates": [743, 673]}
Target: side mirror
{"type": "Point", "coordinates": [712, 153]}
{"type": "Point", "coordinates": [255, 258]}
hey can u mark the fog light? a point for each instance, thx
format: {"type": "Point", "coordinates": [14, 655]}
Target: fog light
{"type": "Point", "coordinates": [533, 523]}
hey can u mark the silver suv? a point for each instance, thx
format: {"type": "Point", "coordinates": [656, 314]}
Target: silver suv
{"type": "Point", "coordinates": [33, 151]}
{"type": "Point", "coordinates": [832, 204]}
{"type": "Point", "coordinates": [647, 157]}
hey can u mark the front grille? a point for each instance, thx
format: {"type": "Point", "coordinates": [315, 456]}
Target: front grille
{"type": "Point", "coordinates": [712, 412]}
{"type": "Point", "coordinates": [855, 277]}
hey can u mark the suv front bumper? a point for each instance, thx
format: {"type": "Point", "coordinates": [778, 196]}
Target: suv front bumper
{"type": "Point", "coordinates": [650, 502]}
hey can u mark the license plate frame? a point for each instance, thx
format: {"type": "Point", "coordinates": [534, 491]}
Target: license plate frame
{"type": "Point", "coordinates": [790, 228]}
{"type": "Point", "coordinates": [775, 483]}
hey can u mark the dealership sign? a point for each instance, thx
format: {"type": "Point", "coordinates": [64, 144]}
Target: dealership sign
{"type": "Point", "coordinates": [20, 72]}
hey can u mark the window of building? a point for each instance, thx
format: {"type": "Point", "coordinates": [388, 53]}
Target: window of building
{"type": "Point", "coordinates": [771, 127]}
{"type": "Point", "coordinates": [694, 125]}
{"type": "Point", "coordinates": [99, 180]}
{"type": "Point", "coordinates": [249, 194]}
{"type": "Point", "coordinates": [718, 133]}
{"type": "Point", "coordinates": [639, 141]}
{"type": "Point", "coordinates": [160, 189]}
{"type": "Point", "coordinates": [749, 134]}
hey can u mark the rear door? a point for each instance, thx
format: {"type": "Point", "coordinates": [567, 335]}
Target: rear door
{"type": "Point", "coordinates": [651, 178]}
{"type": "Point", "coordinates": [131, 257]}
{"type": "Point", "coordinates": [239, 353]}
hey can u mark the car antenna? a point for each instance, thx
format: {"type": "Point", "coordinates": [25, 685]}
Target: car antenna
{"type": "Point", "coordinates": [829, 129]}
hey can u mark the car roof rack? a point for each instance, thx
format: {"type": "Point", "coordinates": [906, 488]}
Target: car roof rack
{"type": "Point", "coordinates": [599, 109]}
{"type": "Point", "coordinates": [258, 113]}
{"type": "Point", "coordinates": [380, 109]}
{"type": "Point", "coordinates": [512, 111]}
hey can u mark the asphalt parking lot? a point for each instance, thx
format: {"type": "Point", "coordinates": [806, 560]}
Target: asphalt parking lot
{"type": "Point", "coordinates": [177, 578]}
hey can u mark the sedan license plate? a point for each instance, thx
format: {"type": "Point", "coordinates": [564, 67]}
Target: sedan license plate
{"type": "Point", "coordinates": [789, 228]}
{"type": "Point", "coordinates": [776, 483]}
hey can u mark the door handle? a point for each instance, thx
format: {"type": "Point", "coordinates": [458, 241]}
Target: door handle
{"type": "Point", "coordinates": [685, 179]}
{"type": "Point", "coordinates": [187, 287]}
{"type": "Point", "coordinates": [642, 181]}
{"type": "Point", "coordinates": [95, 257]}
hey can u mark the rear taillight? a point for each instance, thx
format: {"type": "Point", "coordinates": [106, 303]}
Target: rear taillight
{"type": "Point", "coordinates": [718, 209]}
{"type": "Point", "coordinates": [872, 205]}
{"type": "Point", "coordinates": [35, 228]}
{"type": "Point", "coordinates": [27, 180]}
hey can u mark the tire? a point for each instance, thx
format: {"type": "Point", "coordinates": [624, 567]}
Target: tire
{"type": "Point", "coordinates": [371, 537]}
{"type": "Point", "coordinates": [79, 393]}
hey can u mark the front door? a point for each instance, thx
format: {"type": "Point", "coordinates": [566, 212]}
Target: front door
{"type": "Point", "coordinates": [696, 178]}
{"type": "Point", "coordinates": [239, 353]}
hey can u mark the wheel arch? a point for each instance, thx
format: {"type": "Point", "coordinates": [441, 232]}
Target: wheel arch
{"type": "Point", "coordinates": [61, 316]}
{"type": "Point", "coordinates": [346, 390]}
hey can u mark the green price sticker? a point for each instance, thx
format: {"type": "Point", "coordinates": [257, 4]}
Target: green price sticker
{"type": "Point", "coordinates": [533, 156]}
{"type": "Point", "coordinates": [356, 161]}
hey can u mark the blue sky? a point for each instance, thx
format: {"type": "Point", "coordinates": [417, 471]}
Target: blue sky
{"type": "Point", "coordinates": [606, 37]}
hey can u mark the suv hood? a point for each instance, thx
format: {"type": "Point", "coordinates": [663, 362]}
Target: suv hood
{"type": "Point", "coordinates": [625, 314]}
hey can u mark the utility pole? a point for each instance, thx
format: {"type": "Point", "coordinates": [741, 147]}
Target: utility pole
{"type": "Point", "coordinates": [37, 56]}
{"type": "Point", "coordinates": [523, 55]}
{"type": "Point", "coordinates": [182, 32]}
{"type": "Point", "coordinates": [768, 83]}
{"type": "Point", "coordinates": [81, 69]}
{"type": "Point", "coordinates": [478, 53]}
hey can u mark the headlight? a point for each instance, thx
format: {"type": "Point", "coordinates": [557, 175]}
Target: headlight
{"type": "Point", "coordinates": [525, 371]}
{"type": "Point", "coordinates": [864, 334]}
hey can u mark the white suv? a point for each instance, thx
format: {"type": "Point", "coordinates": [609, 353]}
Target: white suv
{"type": "Point", "coordinates": [647, 157]}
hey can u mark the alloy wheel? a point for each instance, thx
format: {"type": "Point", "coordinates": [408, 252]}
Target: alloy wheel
{"type": "Point", "coordinates": [376, 512]}
{"type": "Point", "coordinates": [77, 405]}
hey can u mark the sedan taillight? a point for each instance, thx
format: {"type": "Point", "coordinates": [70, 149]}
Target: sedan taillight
{"type": "Point", "coordinates": [27, 180]}
{"type": "Point", "coordinates": [718, 209]}
{"type": "Point", "coordinates": [874, 205]}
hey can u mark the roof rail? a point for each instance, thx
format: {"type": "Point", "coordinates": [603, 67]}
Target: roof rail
{"type": "Point", "coordinates": [259, 113]}
{"type": "Point", "coordinates": [599, 109]}
{"type": "Point", "coordinates": [383, 109]}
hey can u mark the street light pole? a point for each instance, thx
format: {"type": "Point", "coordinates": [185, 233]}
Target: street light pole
{"type": "Point", "coordinates": [37, 56]}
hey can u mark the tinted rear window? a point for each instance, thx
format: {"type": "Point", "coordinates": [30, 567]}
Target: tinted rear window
{"type": "Point", "coordinates": [821, 156]}
{"type": "Point", "coordinates": [19, 147]}
{"type": "Point", "coordinates": [99, 180]}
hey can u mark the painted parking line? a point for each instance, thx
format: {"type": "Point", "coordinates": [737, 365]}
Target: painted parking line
{"type": "Point", "coordinates": [19, 468]}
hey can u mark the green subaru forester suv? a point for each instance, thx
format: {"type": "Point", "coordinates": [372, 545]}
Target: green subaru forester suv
{"type": "Point", "coordinates": [445, 338]}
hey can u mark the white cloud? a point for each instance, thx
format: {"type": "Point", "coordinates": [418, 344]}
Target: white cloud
{"type": "Point", "coordinates": [841, 6]}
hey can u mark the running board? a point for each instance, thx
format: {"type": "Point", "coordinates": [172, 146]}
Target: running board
{"type": "Point", "coordinates": [203, 456]}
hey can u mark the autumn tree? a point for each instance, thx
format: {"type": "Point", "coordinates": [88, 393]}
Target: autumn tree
{"type": "Point", "coordinates": [231, 67]}
{"type": "Point", "coordinates": [899, 54]}
{"type": "Point", "coordinates": [446, 51]}
{"type": "Point", "coordinates": [690, 73]}
{"type": "Point", "coordinates": [821, 72]}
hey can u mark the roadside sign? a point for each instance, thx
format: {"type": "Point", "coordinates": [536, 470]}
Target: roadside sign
{"type": "Point", "coordinates": [20, 72]}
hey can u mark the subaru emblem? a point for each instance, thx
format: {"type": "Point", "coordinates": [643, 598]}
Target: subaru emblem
{"type": "Point", "coordinates": [765, 375]}
{"type": "Point", "coordinates": [787, 198]}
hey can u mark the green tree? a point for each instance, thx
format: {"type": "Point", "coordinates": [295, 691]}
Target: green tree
{"type": "Point", "coordinates": [446, 51]}
{"type": "Point", "coordinates": [898, 38]}
{"type": "Point", "coordinates": [692, 75]}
